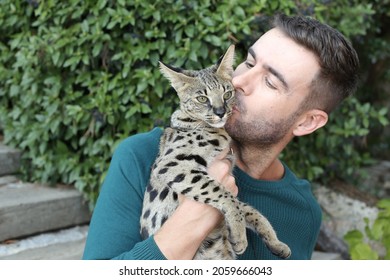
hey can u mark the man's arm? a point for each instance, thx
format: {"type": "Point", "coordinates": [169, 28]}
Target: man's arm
{"type": "Point", "coordinates": [114, 231]}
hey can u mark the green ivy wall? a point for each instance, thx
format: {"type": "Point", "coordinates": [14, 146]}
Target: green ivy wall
{"type": "Point", "coordinates": [77, 77]}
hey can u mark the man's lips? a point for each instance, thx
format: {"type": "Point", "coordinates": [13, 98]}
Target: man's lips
{"type": "Point", "coordinates": [237, 106]}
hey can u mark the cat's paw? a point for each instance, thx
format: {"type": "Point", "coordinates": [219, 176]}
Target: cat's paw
{"type": "Point", "coordinates": [281, 250]}
{"type": "Point", "coordinates": [240, 247]}
{"type": "Point", "coordinates": [238, 238]}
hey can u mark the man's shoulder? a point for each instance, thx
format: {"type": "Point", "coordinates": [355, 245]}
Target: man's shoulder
{"type": "Point", "coordinates": [293, 178]}
{"type": "Point", "coordinates": [302, 187]}
{"type": "Point", "coordinates": [150, 138]}
{"type": "Point", "coordinates": [140, 145]}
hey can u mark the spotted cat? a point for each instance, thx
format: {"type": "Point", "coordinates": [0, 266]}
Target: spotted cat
{"type": "Point", "coordinates": [195, 137]}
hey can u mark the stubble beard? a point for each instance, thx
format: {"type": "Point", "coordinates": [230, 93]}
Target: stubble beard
{"type": "Point", "coordinates": [259, 132]}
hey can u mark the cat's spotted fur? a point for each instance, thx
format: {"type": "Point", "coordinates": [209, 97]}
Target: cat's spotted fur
{"type": "Point", "coordinates": [195, 137]}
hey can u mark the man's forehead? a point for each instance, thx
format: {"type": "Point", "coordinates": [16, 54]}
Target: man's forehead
{"type": "Point", "coordinates": [293, 61]}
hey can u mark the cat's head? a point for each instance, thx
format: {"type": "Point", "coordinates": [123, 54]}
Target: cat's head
{"type": "Point", "coordinates": [207, 94]}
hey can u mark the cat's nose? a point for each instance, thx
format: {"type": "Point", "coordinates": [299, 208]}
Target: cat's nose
{"type": "Point", "coordinates": [220, 112]}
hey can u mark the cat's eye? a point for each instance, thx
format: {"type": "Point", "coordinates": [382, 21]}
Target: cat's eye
{"type": "Point", "coordinates": [202, 99]}
{"type": "Point", "coordinates": [228, 95]}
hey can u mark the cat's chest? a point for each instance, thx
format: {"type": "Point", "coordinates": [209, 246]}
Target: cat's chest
{"type": "Point", "coordinates": [207, 143]}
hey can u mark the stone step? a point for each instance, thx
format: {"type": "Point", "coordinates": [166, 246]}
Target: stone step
{"type": "Point", "coordinates": [9, 160]}
{"type": "Point", "coordinates": [317, 255]}
{"type": "Point", "coordinates": [67, 244]}
{"type": "Point", "coordinates": [4, 180]}
{"type": "Point", "coordinates": [28, 209]}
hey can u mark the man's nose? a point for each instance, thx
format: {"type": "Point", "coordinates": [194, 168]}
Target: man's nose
{"type": "Point", "coordinates": [242, 81]}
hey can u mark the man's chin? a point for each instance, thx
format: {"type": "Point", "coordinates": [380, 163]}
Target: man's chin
{"type": "Point", "coordinates": [231, 121]}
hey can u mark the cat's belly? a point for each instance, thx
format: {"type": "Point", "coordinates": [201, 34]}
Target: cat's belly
{"type": "Point", "coordinates": [155, 214]}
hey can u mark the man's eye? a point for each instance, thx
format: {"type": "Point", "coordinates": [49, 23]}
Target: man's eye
{"type": "Point", "coordinates": [248, 64]}
{"type": "Point", "coordinates": [269, 83]}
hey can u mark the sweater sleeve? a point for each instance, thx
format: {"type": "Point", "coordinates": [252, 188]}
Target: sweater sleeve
{"type": "Point", "coordinates": [114, 231]}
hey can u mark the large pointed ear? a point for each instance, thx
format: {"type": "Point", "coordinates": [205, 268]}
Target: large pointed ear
{"type": "Point", "coordinates": [175, 75]}
{"type": "Point", "coordinates": [310, 122]}
{"type": "Point", "coordinates": [225, 67]}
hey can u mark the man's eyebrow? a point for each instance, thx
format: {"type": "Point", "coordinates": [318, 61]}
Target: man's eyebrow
{"type": "Point", "coordinates": [272, 70]}
{"type": "Point", "coordinates": [278, 75]}
{"type": "Point", "coordinates": [252, 53]}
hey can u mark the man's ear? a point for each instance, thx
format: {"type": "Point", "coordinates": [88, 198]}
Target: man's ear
{"type": "Point", "coordinates": [310, 122]}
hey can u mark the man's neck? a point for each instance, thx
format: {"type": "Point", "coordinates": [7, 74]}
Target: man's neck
{"type": "Point", "coordinates": [259, 163]}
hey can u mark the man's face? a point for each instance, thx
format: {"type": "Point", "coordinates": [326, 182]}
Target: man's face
{"type": "Point", "coordinates": [270, 86]}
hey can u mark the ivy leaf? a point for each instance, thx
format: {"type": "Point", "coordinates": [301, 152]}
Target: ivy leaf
{"type": "Point", "coordinates": [353, 238]}
{"type": "Point", "coordinates": [384, 204]}
{"type": "Point", "coordinates": [363, 251]}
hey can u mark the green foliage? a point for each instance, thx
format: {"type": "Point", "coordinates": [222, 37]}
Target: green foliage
{"type": "Point", "coordinates": [77, 77]}
{"type": "Point", "coordinates": [359, 247]}
{"type": "Point", "coordinates": [333, 151]}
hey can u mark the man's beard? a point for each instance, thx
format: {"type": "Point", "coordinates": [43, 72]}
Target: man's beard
{"type": "Point", "coordinates": [259, 132]}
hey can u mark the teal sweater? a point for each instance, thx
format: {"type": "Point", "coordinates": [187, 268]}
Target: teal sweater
{"type": "Point", "coordinates": [114, 228]}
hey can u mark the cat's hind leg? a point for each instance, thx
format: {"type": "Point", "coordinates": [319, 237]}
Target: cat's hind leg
{"type": "Point", "coordinates": [260, 224]}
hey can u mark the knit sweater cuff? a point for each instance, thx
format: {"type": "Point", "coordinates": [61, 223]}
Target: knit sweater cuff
{"type": "Point", "coordinates": [148, 250]}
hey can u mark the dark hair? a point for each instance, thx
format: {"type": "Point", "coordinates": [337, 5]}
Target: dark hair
{"type": "Point", "coordinates": [339, 63]}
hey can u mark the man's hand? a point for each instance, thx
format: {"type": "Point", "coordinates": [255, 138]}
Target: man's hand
{"type": "Point", "coordinates": [220, 170]}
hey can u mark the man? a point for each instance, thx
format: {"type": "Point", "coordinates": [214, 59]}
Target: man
{"type": "Point", "coordinates": [293, 77]}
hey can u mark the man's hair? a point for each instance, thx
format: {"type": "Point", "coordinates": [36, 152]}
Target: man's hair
{"type": "Point", "coordinates": [339, 63]}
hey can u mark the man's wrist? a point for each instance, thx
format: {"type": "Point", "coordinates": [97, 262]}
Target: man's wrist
{"type": "Point", "coordinates": [183, 233]}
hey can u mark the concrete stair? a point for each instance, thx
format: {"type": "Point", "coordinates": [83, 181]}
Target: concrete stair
{"type": "Point", "coordinates": [65, 244]}
{"type": "Point", "coordinates": [9, 160]}
{"type": "Point", "coordinates": [38, 212]}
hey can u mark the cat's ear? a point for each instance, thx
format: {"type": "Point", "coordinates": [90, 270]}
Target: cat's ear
{"type": "Point", "coordinates": [225, 67]}
{"type": "Point", "coordinates": [175, 75]}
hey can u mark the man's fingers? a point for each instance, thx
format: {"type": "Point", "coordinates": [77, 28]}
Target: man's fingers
{"type": "Point", "coordinates": [220, 168]}
{"type": "Point", "coordinates": [223, 154]}
{"type": "Point", "coordinates": [229, 183]}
